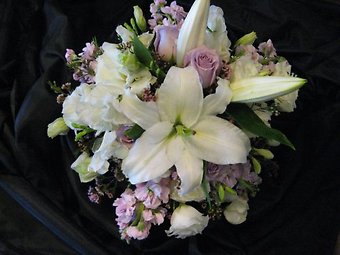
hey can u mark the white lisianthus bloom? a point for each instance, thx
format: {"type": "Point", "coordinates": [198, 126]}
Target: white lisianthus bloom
{"type": "Point", "coordinates": [261, 110]}
{"type": "Point", "coordinates": [182, 130]}
{"type": "Point", "coordinates": [216, 36]}
{"type": "Point", "coordinates": [285, 103]}
{"type": "Point", "coordinates": [108, 148]}
{"type": "Point", "coordinates": [93, 106]}
{"type": "Point", "coordinates": [244, 67]}
{"type": "Point", "coordinates": [237, 211]}
{"type": "Point", "coordinates": [111, 72]}
{"type": "Point", "coordinates": [186, 221]}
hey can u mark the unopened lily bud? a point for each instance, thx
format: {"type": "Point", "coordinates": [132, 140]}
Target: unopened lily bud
{"type": "Point", "coordinates": [246, 39]}
{"type": "Point", "coordinates": [57, 127]}
{"type": "Point", "coordinates": [260, 89]}
{"type": "Point", "coordinates": [139, 17]}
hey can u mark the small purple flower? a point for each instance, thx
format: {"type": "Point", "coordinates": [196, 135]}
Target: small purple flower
{"type": "Point", "coordinates": [70, 55]}
{"type": "Point", "coordinates": [175, 11]}
{"type": "Point", "coordinates": [88, 51]}
{"type": "Point", "coordinates": [267, 48]}
{"type": "Point", "coordinates": [206, 62]}
{"type": "Point", "coordinates": [166, 42]}
{"type": "Point", "coordinates": [230, 174]}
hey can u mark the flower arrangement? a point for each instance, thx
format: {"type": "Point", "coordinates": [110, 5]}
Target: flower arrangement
{"type": "Point", "coordinates": [173, 122]}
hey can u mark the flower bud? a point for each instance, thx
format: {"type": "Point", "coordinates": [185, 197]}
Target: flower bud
{"type": "Point", "coordinates": [237, 211]}
{"type": "Point", "coordinates": [139, 17]}
{"type": "Point", "coordinates": [246, 39]}
{"type": "Point", "coordinates": [192, 32]}
{"type": "Point", "coordinates": [57, 127]}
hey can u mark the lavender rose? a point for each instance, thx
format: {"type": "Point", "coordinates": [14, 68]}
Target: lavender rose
{"type": "Point", "coordinates": [206, 62]}
{"type": "Point", "coordinates": [166, 42]}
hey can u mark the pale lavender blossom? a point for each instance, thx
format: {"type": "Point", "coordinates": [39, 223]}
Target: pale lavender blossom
{"type": "Point", "coordinates": [70, 55]}
{"type": "Point", "coordinates": [175, 11]}
{"type": "Point", "coordinates": [230, 174]}
{"type": "Point", "coordinates": [207, 63]}
{"type": "Point", "coordinates": [89, 51]}
{"type": "Point", "coordinates": [267, 48]}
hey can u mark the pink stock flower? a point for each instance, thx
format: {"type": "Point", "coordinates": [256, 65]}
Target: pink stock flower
{"type": "Point", "coordinates": [166, 42]}
{"type": "Point", "coordinates": [138, 232]}
{"type": "Point", "coordinates": [206, 62]}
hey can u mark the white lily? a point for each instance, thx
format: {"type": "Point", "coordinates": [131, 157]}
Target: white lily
{"type": "Point", "coordinates": [181, 130]}
{"type": "Point", "coordinates": [259, 89]}
{"type": "Point", "coordinates": [192, 32]}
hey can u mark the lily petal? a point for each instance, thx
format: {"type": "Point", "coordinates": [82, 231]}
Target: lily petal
{"type": "Point", "coordinates": [259, 89]}
{"type": "Point", "coordinates": [190, 171]}
{"type": "Point", "coordinates": [218, 141]}
{"type": "Point", "coordinates": [216, 103]}
{"type": "Point", "coordinates": [145, 114]}
{"type": "Point", "coordinates": [181, 96]}
{"type": "Point", "coordinates": [147, 158]}
{"type": "Point", "coordinates": [192, 32]}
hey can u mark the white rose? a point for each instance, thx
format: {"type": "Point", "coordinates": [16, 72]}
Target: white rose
{"type": "Point", "coordinates": [237, 211]}
{"type": "Point", "coordinates": [186, 221]}
{"type": "Point", "coordinates": [216, 35]}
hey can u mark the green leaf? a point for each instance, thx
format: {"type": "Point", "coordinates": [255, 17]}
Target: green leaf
{"type": "Point", "coordinates": [144, 56]}
{"type": "Point", "coordinates": [134, 132]}
{"type": "Point", "coordinates": [249, 121]}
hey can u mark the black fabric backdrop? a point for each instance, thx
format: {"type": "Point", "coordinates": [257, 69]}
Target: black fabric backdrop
{"type": "Point", "coordinates": [44, 209]}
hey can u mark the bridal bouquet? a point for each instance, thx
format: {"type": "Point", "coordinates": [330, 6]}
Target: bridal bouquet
{"type": "Point", "coordinates": [173, 122]}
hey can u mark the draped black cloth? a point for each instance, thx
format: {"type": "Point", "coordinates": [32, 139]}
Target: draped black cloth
{"type": "Point", "coordinates": [43, 206]}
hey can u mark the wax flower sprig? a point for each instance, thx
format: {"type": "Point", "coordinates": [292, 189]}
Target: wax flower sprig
{"type": "Point", "coordinates": [173, 121]}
